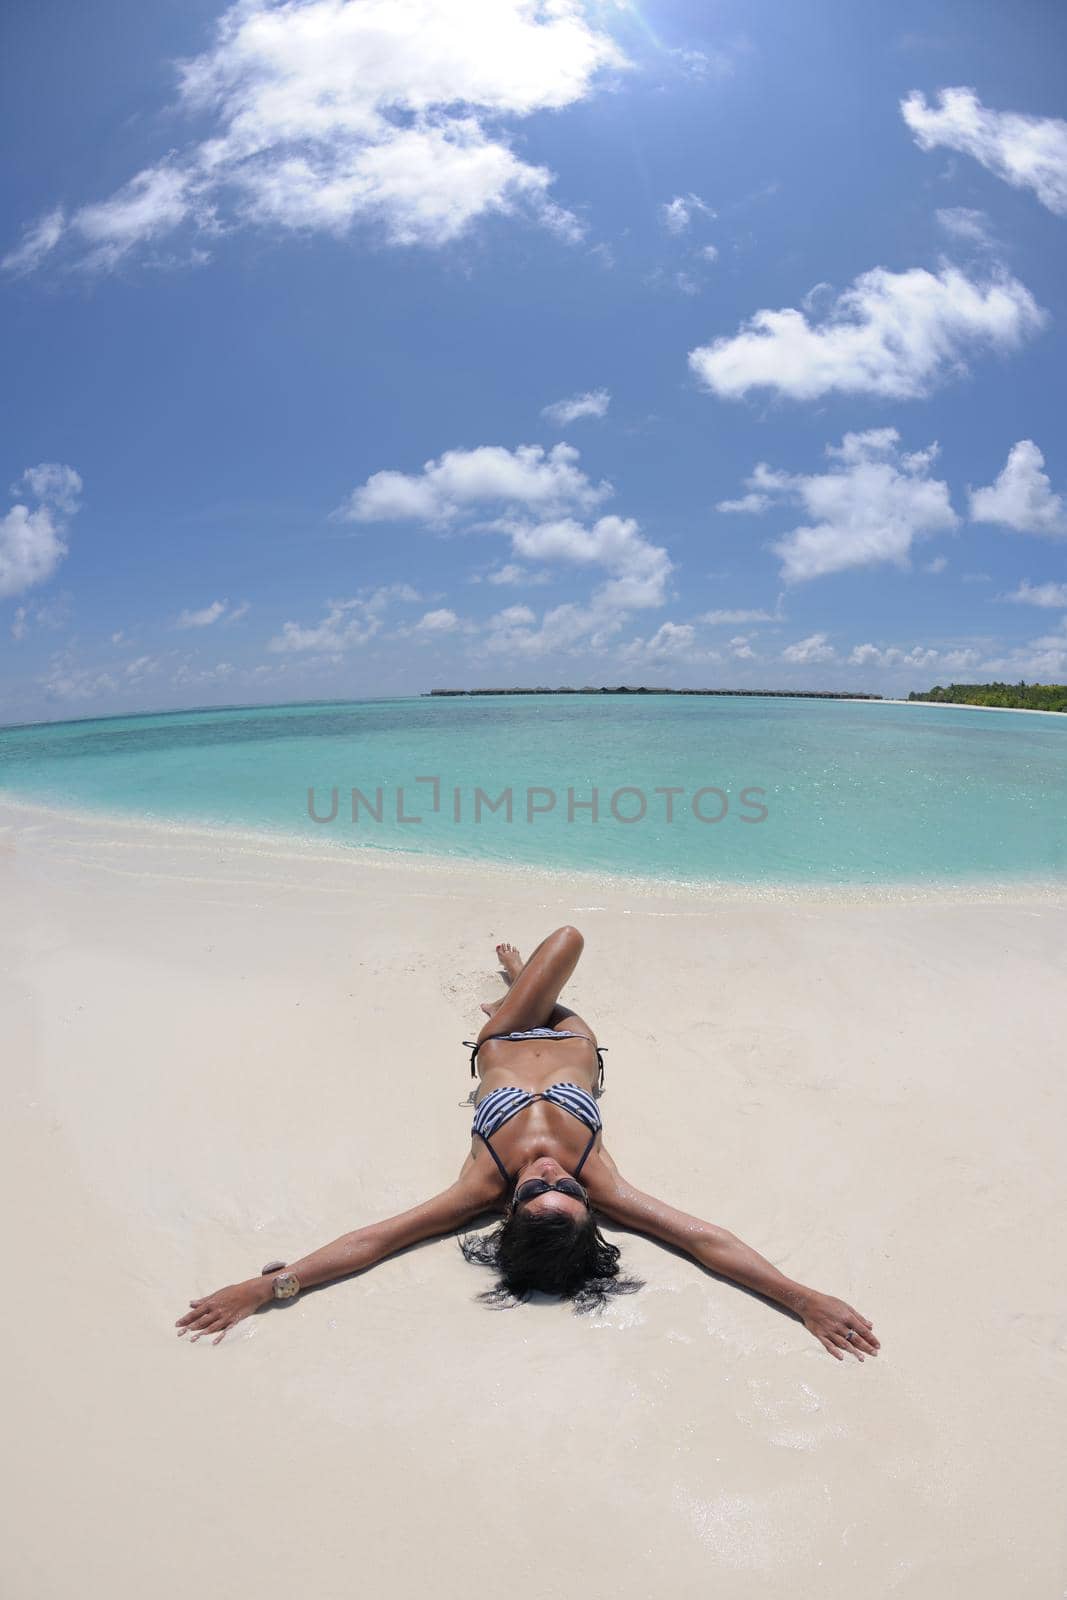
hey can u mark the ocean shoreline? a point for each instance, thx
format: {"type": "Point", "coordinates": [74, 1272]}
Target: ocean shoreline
{"type": "Point", "coordinates": [962, 705]}
{"type": "Point", "coordinates": [293, 848]}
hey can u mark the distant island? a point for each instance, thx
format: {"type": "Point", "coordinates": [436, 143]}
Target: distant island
{"type": "Point", "coordinates": [1008, 696]}
{"type": "Point", "coordinates": [640, 688]}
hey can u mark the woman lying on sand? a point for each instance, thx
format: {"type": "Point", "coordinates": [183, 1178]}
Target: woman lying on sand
{"type": "Point", "coordinates": [536, 1130]}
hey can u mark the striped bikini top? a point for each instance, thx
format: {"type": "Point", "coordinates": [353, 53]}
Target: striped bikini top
{"type": "Point", "coordinates": [500, 1105]}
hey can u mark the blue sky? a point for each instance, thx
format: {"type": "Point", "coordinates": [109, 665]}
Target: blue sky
{"type": "Point", "coordinates": [360, 349]}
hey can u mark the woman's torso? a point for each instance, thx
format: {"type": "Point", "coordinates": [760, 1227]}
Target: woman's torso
{"type": "Point", "coordinates": [539, 1129]}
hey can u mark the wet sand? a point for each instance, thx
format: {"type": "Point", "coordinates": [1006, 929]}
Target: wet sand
{"type": "Point", "coordinates": [216, 1055]}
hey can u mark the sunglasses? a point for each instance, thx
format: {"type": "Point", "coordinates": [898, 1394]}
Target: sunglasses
{"type": "Point", "coordinates": [537, 1186]}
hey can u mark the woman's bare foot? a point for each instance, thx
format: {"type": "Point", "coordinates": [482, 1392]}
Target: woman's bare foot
{"type": "Point", "coordinates": [512, 963]}
{"type": "Point", "coordinates": [510, 960]}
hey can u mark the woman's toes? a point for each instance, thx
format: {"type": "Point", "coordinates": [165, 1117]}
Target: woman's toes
{"type": "Point", "coordinates": [509, 959]}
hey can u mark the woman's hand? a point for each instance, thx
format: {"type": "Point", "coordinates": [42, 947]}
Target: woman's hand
{"type": "Point", "coordinates": [225, 1308]}
{"type": "Point", "coordinates": [830, 1320]}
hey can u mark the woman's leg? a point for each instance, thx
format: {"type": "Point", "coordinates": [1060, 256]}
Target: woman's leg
{"type": "Point", "coordinates": [536, 983]}
{"type": "Point", "coordinates": [512, 963]}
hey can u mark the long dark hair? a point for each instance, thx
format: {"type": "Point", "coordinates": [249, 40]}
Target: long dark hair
{"type": "Point", "coordinates": [556, 1254]}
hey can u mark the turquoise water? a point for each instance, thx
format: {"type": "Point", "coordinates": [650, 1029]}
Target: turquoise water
{"type": "Point", "coordinates": [769, 791]}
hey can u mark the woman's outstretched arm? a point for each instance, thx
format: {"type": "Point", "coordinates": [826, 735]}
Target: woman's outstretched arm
{"type": "Point", "coordinates": [721, 1251]}
{"type": "Point", "coordinates": [352, 1252]}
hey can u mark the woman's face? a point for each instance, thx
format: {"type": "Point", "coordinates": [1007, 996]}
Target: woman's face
{"type": "Point", "coordinates": [552, 1201]}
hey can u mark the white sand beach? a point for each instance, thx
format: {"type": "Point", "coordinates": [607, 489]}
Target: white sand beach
{"type": "Point", "coordinates": [218, 1055]}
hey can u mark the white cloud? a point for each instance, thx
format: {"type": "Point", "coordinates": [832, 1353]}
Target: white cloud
{"type": "Point", "coordinates": [594, 403]}
{"type": "Point", "coordinates": [938, 564]}
{"type": "Point", "coordinates": [806, 652]}
{"type": "Point", "coordinates": [32, 541]}
{"type": "Point", "coordinates": [142, 667]}
{"type": "Point", "coordinates": [324, 113]}
{"type": "Point", "coordinates": [678, 213]}
{"type": "Point", "coordinates": [514, 617]}
{"type": "Point", "coordinates": [709, 252]}
{"type": "Point", "coordinates": [52, 614]}
{"type": "Point", "coordinates": [568, 629]}
{"type": "Point", "coordinates": [1027, 152]}
{"type": "Point", "coordinates": [53, 484]}
{"type": "Point", "coordinates": [637, 570]}
{"type": "Point", "coordinates": [672, 641]}
{"type": "Point", "coordinates": [154, 202]}
{"type": "Point", "coordinates": [1022, 497]}
{"type": "Point", "coordinates": [512, 573]}
{"type": "Point", "coordinates": [38, 240]}
{"type": "Point", "coordinates": [864, 654]}
{"type": "Point", "coordinates": [1049, 595]}
{"type": "Point", "coordinates": [920, 657]}
{"type": "Point", "coordinates": [345, 624]}
{"type": "Point", "coordinates": [528, 476]}
{"type": "Point", "coordinates": [538, 497]}
{"type": "Point", "coordinates": [963, 222]}
{"type": "Point", "coordinates": [376, 600]}
{"type": "Point", "coordinates": [735, 617]}
{"type": "Point", "coordinates": [711, 63]}
{"type": "Point", "coordinates": [741, 648]}
{"type": "Point", "coordinates": [1043, 659]}
{"type": "Point", "coordinates": [188, 676]}
{"type": "Point", "coordinates": [437, 622]}
{"type": "Point", "coordinates": [895, 334]}
{"type": "Point", "coordinates": [218, 610]}
{"type": "Point", "coordinates": [203, 618]}
{"type": "Point", "coordinates": [866, 510]}
{"type": "Point", "coordinates": [749, 505]}
{"type": "Point", "coordinates": [817, 295]}
{"type": "Point", "coordinates": [65, 681]}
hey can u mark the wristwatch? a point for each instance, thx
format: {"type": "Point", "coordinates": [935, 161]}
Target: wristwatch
{"type": "Point", "coordinates": [286, 1285]}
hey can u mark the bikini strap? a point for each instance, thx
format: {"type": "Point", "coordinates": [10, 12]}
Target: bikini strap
{"type": "Point", "coordinates": [585, 1152]}
{"type": "Point", "coordinates": [503, 1170]}
{"type": "Point", "coordinates": [477, 1043]}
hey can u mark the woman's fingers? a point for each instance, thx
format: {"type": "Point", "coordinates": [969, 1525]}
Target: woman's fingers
{"type": "Point", "coordinates": [214, 1313]}
{"type": "Point", "coordinates": [839, 1327]}
{"type": "Point", "coordinates": [196, 1306]}
{"type": "Point", "coordinates": [199, 1323]}
{"type": "Point", "coordinates": [212, 1326]}
{"type": "Point", "coordinates": [190, 1316]}
{"type": "Point", "coordinates": [196, 1330]}
{"type": "Point", "coordinates": [863, 1330]}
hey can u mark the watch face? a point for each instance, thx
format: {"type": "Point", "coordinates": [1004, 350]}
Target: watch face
{"type": "Point", "coordinates": [286, 1285]}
